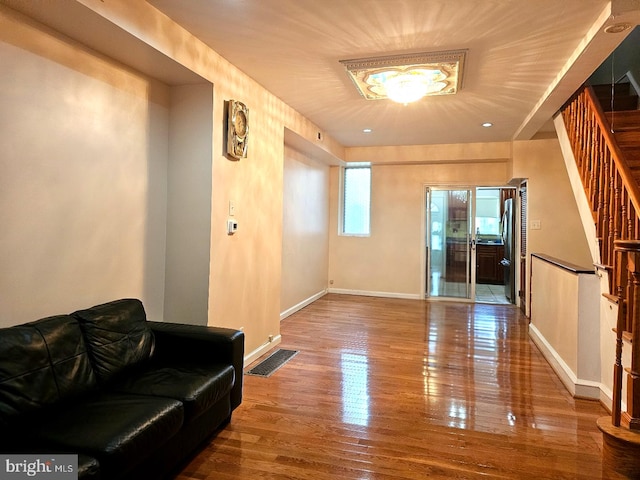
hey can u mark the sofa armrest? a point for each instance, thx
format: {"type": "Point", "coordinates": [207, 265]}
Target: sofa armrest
{"type": "Point", "coordinates": [201, 343]}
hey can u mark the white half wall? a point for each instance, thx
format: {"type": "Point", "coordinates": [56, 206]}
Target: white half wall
{"type": "Point", "coordinates": [565, 323]}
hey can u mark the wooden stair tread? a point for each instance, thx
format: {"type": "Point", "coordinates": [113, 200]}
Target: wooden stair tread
{"type": "Point", "coordinates": [633, 161]}
{"type": "Point", "coordinates": [624, 120]}
{"type": "Point", "coordinates": [624, 103]}
{"type": "Point", "coordinates": [613, 299]}
{"type": "Point", "coordinates": [632, 154]}
{"type": "Point", "coordinates": [628, 138]}
{"type": "Point", "coordinates": [604, 90]}
{"type": "Point", "coordinates": [631, 157]}
{"type": "Point", "coordinates": [624, 97]}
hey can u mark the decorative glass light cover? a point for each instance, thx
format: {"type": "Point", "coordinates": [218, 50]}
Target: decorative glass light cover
{"type": "Point", "coordinates": [407, 78]}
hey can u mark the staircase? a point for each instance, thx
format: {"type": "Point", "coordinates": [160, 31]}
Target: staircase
{"type": "Point", "coordinates": [603, 126]}
{"type": "Point", "coordinates": [624, 97]}
{"type": "Point", "coordinates": [623, 114]}
{"type": "Point", "coordinates": [626, 128]}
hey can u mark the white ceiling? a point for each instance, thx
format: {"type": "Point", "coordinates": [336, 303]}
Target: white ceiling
{"type": "Point", "coordinates": [525, 58]}
{"type": "Point", "coordinates": [516, 50]}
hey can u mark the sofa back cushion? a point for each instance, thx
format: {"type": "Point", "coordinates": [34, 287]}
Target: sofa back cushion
{"type": "Point", "coordinates": [68, 355]}
{"type": "Point", "coordinates": [117, 336]}
{"type": "Point", "coordinates": [41, 363]}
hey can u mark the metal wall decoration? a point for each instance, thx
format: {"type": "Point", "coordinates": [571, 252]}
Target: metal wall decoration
{"type": "Point", "coordinates": [237, 130]}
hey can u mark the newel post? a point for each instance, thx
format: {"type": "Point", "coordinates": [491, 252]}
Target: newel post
{"type": "Point", "coordinates": [631, 248]}
{"type": "Point", "coordinates": [632, 415]}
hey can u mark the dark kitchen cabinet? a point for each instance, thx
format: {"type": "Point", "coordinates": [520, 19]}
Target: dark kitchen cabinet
{"type": "Point", "coordinates": [488, 267]}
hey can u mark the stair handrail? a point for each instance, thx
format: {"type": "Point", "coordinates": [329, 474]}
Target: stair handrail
{"type": "Point", "coordinates": [614, 196]}
{"type": "Point", "coordinates": [625, 172]}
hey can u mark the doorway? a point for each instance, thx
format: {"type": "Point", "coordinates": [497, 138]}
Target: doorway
{"type": "Point", "coordinates": [449, 243]}
{"type": "Point", "coordinates": [468, 240]}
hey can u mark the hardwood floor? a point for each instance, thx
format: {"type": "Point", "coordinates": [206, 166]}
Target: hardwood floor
{"type": "Point", "coordinates": [406, 389]}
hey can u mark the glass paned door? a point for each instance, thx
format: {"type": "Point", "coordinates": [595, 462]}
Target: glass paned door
{"type": "Point", "coordinates": [449, 243]}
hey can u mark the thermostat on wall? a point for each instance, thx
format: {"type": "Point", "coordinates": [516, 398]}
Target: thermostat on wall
{"type": "Point", "coordinates": [232, 226]}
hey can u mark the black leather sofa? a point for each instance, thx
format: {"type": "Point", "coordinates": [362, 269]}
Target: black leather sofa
{"type": "Point", "coordinates": [131, 398]}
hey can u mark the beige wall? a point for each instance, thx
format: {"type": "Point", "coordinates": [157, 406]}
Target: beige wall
{"type": "Point", "coordinates": [305, 241]}
{"type": "Point", "coordinates": [391, 260]}
{"type": "Point", "coordinates": [246, 268]}
{"type": "Point", "coordinates": [186, 297]}
{"type": "Point", "coordinates": [102, 220]}
{"type": "Point", "coordinates": [551, 202]}
{"type": "Point", "coordinates": [418, 154]}
{"type": "Point", "coordinates": [82, 178]}
{"type": "Point", "coordinates": [84, 175]}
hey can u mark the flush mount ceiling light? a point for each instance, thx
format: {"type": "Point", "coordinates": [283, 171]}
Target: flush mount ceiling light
{"type": "Point", "coordinates": [407, 78]}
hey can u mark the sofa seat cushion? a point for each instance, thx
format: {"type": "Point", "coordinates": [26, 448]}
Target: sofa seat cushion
{"type": "Point", "coordinates": [197, 386]}
{"type": "Point", "coordinates": [119, 430]}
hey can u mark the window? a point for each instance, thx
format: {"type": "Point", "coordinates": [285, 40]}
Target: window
{"type": "Point", "coordinates": [356, 202]}
{"type": "Point", "coordinates": [488, 212]}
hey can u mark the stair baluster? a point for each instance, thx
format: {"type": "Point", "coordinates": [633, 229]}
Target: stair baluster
{"type": "Point", "coordinates": [611, 184]}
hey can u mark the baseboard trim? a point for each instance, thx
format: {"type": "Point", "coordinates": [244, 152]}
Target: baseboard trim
{"type": "Point", "coordinates": [261, 350]}
{"type": "Point", "coordinates": [588, 389]}
{"type": "Point", "coordinates": [606, 399]}
{"type": "Point", "coordinates": [577, 387]}
{"type": "Point", "coordinates": [302, 304]}
{"type": "Point", "coordinates": [367, 293]}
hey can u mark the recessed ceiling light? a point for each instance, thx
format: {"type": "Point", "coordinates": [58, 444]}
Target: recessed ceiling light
{"type": "Point", "coordinates": [487, 124]}
{"type": "Point", "coordinates": [367, 130]}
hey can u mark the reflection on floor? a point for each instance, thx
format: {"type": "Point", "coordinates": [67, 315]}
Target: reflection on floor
{"type": "Point", "coordinates": [458, 391]}
{"type": "Point", "coordinates": [484, 293]}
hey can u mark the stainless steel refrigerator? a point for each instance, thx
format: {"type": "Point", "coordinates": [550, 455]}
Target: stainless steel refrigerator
{"type": "Point", "coordinates": [508, 222]}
